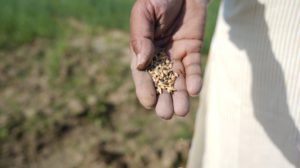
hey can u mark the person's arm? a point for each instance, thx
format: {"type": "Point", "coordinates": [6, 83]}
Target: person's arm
{"type": "Point", "coordinates": [178, 27]}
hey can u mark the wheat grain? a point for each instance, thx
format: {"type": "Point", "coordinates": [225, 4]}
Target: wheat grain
{"type": "Point", "coordinates": [162, 73]}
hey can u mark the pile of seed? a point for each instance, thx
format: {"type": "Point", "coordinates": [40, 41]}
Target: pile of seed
{"type": "Point", "coordinates": [162, 74]}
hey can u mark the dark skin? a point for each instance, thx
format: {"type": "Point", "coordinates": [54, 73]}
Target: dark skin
{"type": "Point", "coordinates": [177, 26]}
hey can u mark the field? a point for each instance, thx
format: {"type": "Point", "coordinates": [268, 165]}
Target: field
{"type": "Point", "coordinates": [66, 95]}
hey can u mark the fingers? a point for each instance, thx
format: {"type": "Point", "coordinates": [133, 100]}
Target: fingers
{"type": "Point", "coordinates": [164, 106]}
{"type": "Point", "coordinates": [180, 96]}
{"type": "Point", "coordinates": [144, 86]}
{"type": "Point", "coordinates": [142, 33]}
{"type": "Point", "coordinates": [187, 42]}
{"type": "Point", "coordinates": [146, 94]}
{"type": "Point", "coordinates": [142, 46]}
{"type": "Point", "coordinates": [188, 52]}
{"type": "Point", "coordinates": [192, 68]}
{"type": "Point", "coordinates": [193, 21]}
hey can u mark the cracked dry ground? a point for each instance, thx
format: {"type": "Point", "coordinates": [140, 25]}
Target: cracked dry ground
{"type": "Point", "coordinates": [71, 103]}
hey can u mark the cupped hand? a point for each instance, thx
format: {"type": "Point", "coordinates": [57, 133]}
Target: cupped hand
{"type": "Point", "coordinates": [177, 27]}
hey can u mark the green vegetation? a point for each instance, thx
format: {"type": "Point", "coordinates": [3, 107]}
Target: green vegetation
{"type": "Point", "coordinates": [210, 24]}
{"type": "Point", "coordinates": [23, 21]}
{"type": "Point", "coordinates": [184, 131]}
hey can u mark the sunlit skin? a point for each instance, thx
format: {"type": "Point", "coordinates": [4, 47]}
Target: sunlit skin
{"type": "Point", "coordinates": [178, 27]}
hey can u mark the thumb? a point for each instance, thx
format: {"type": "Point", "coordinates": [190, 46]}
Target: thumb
{"type": "Point", "coordinates": [142, 33]}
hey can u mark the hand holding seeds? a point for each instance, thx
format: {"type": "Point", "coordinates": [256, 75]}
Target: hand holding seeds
{"type": "Point", "coordinates": [166, 80]}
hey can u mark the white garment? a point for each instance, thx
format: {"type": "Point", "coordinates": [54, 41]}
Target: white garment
{"type": "Point", "coordinates": [249, 114]}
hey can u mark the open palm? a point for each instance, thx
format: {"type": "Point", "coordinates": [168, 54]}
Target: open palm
{"type": "Point", "coordinates": [177, 26]}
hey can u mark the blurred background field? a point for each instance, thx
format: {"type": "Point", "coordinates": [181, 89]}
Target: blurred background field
{"type": "Point", "coordinates": [66, 95]}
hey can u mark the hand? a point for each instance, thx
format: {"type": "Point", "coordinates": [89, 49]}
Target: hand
{"type": "Point", "coordinates": [178, 27]}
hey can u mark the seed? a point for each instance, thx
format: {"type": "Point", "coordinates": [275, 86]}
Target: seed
{"type": "Point", "coordinates": [162, 74]}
